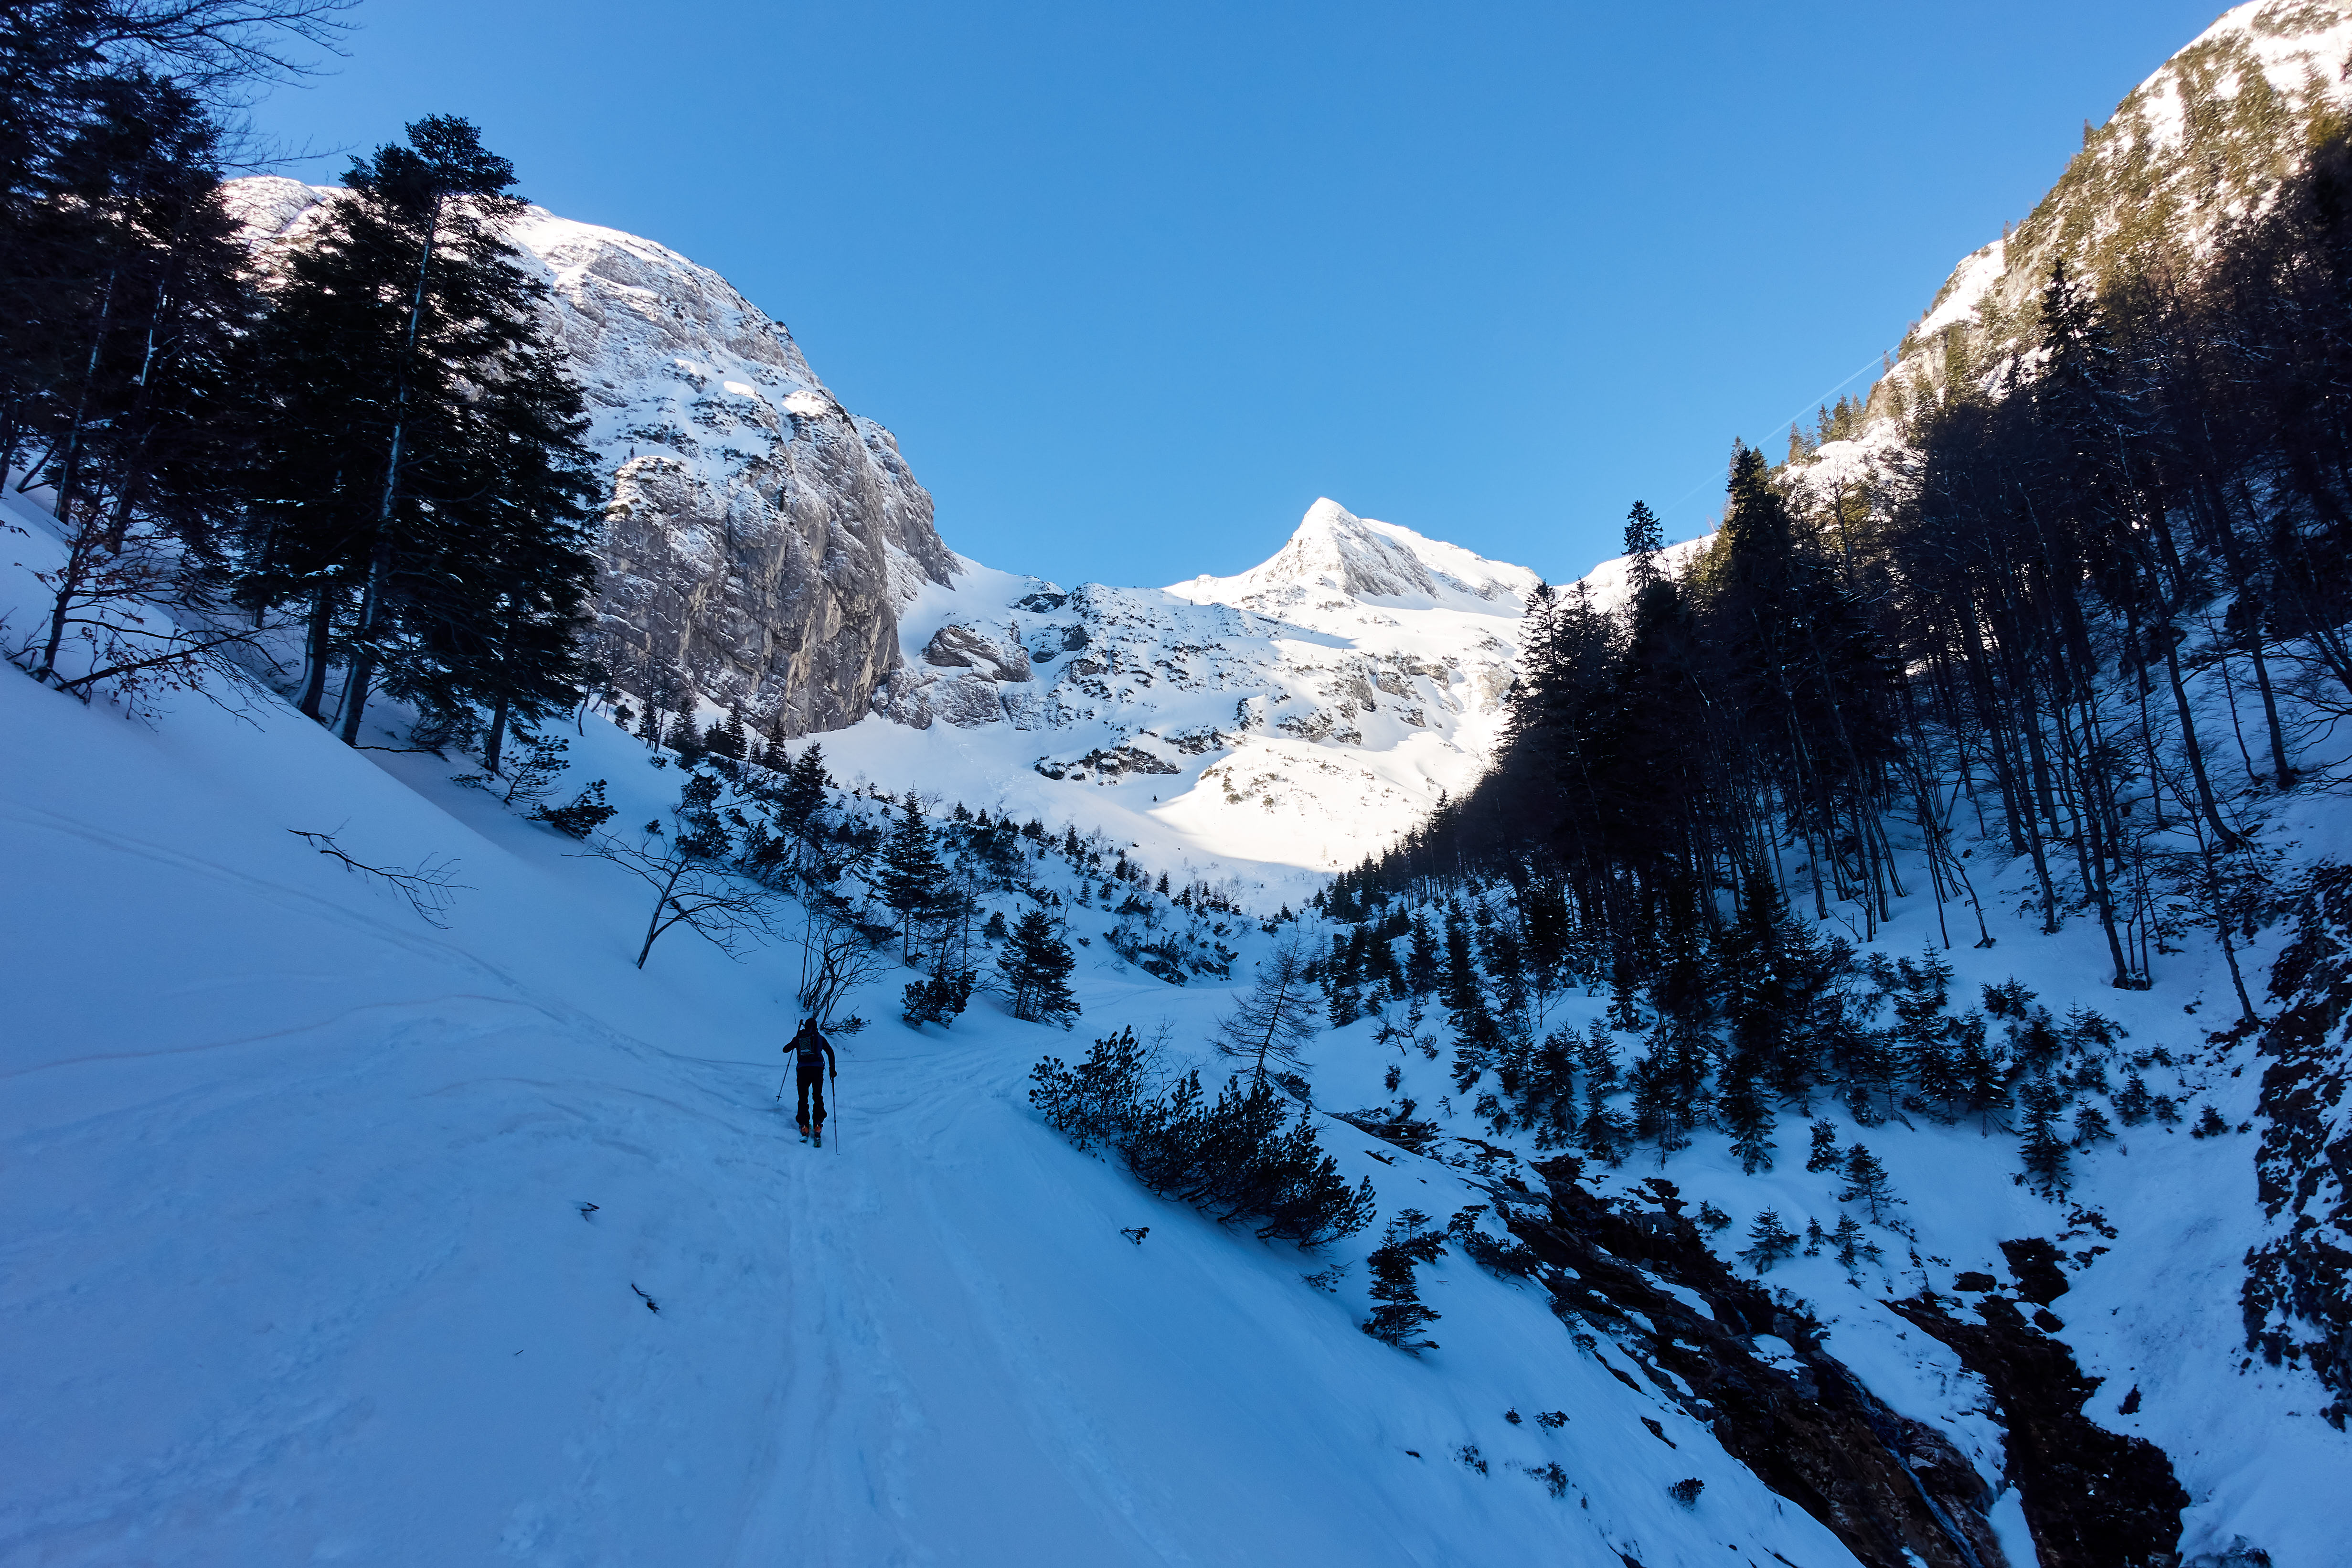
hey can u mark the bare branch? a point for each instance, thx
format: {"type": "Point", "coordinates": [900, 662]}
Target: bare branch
{"type": "Point", "coordinates": [426, 886]}
{"type": "Point", "coordinates": [210, 44]}
{"type": "Point", "coordinates": [691, 888]}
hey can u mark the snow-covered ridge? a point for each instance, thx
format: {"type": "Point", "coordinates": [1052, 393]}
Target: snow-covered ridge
{"type": "Point", "coordinates": [1361, 558]}
{"type": "Point", "coordinates": [2205, 140]}
{"type": "Point", "coordinates": [765, 548]}
{"type": "Point", "coordinates": [1276, 724]}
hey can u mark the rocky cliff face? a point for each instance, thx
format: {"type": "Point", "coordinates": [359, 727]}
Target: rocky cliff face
{"type": "Point", "coordinates": [760, 538]}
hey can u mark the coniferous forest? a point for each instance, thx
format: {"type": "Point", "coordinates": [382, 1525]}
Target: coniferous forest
{"type": "Point", "coordinates": [2096, 610]}
{"type": "Point", "coordinates": [375, 442]}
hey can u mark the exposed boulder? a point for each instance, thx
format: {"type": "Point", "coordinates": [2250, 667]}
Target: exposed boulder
{"type": "Point", "coordinates": [961, 648]}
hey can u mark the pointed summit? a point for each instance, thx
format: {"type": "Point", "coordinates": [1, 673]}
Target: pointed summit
{"type": "Point", "coordinates": [1334, 550]}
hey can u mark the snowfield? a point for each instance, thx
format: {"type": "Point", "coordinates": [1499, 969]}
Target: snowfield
{"type": "Point", "coordinates": [303, 1266]}
{"type": "Point", "coordinates": [1262, 729]}
{"type": "Point", "coordinates": [340, 1236]}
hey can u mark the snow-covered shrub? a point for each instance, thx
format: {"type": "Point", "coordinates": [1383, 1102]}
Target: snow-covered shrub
{"type": "Point", "coordinates": [1238, 1157]}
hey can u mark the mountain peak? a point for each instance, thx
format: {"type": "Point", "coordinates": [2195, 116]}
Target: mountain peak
{"type": "Point", "coordinates": [1334, 550]}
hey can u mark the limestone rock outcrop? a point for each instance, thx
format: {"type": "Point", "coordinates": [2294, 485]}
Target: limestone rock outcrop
{"type": "Point", "coordinates": [760, 540]}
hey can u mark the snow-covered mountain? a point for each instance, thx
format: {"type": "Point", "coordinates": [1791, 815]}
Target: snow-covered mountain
{"type": "Point", "coordinates": [1276, 724]}
{"type": "Point", "coordinates": [2207, 138]}
{"type": "Point", "coordinates": [760, 539]}
{"type": "Point", "coordinates": [766, 550]}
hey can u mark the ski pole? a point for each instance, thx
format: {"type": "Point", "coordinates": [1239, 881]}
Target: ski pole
{"type": "Point", "coordinates": [836, 1112]}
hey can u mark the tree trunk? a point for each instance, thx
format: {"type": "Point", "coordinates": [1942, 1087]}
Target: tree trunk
{"type": "Point", "coordinates": [380, 553]}
{"type": "Point", "coordinates": [497, 736]}
{"type": "Point", "coordinates": [2210, 808]}
{"type": "Point", "coordinates": [2270, 703]}
{"type": "Point", "coordinates": [321, 636]}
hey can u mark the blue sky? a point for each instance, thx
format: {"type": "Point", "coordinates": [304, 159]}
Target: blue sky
{"type": "Point", "coordinates": [1134, 283]}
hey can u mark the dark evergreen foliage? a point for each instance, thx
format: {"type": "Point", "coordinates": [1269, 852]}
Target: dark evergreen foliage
{"type": "Point", "coordinates": [1769, 1240]}
{"type": "Point", "coordinates": [1036, 964]}
{"type": "Point", "coordinates": [940, 998]}
{"type": "Point", "coordinates": [583, 816]}
{"type": "Point", "coordinates": [912, 880]}
{"type": "Point", "coordinates": [1398, 1313]}
{"type": "Point", "coordinates": [422, 487]}
{"type": "Point", "coordinates": [1240, 1157]}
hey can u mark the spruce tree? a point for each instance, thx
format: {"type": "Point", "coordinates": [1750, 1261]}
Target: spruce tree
{"type": "Point", "coordinates": [1400, 1313]}
{"type": "Point", "coordinates": [912, 876]}
{"type": "Point", "coordinates": [1748, 1119]}
{"type": "Point", "coordinates": [423, 486]}
{"type": "Point", "coordinates": [1868, 1183]}
{"type": "Point", "coordinates": [1424, 969]}
{"type": "Point", "coordinates": [1983, 1076]}
{"type": "Point", "coordinates": [1036, 963]}
{"type": "Point", "coordinates": [1603, 1133]}
{"type": "Point", "coordinates": [2045, 1152]}
{"type": "Point", "coordinates": [802, 795]}
{"type": "Point", "coordinates": [1854, 1247]}
{"type": "Point", "coordinates": [1769, 1241]}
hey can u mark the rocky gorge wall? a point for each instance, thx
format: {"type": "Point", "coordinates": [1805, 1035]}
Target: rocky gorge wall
{"type": "Point", "coordinates": [760, 539]}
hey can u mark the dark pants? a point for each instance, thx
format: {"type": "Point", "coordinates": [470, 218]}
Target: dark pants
{"type": "Point", "coordinates": [812, 1086]}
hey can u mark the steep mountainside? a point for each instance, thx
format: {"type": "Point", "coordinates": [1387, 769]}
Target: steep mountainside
{"type": "Point", "coordinates": [760, 538]}
{"type": "Point", "coordinates": [348, 1234]}
{"type": "Point", "coordinates": [2208, 138]}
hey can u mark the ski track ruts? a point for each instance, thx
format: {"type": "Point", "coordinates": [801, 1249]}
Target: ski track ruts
{"type": "Point", "coordinates": [1066, 1433]}
{"type": "Point", "coordinates": [855, 1450]}
{"type": "Point", "coordinates": [283, 1328]}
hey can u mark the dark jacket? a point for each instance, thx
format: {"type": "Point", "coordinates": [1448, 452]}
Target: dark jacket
{"type": "Point", "coordinates": [812, 1051]}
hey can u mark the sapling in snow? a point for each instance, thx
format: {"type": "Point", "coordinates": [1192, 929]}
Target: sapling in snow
{"type": "Point", "coordinates": [1769, 1240]}
{"type": "Point", "coordinates": [1868, 1183]}
{"type": "Point", "coordinates": [1400, 1314]}
{"type": "Point", "coordinates": [687, 868]}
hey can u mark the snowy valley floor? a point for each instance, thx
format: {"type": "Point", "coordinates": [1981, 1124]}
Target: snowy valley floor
{"type": "Point", "coordinates": [335, 1236]}
{"type": "Point", "coordinates": [298, 1267]}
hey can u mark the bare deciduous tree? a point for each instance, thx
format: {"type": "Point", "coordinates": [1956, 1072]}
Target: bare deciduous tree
{"type": "Point", "coordinates": [839, 952]}
{"type": "Point", "coordinates": [689, 871]}
{"type": "Point", "coordinates": [1276, 1017]}
{"type": "Point", "coordinates": [116, 603]}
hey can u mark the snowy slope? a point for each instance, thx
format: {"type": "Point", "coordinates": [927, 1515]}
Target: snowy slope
{"type": "Point", "coordinates": [2154, 1236]}
{"type": "Point", "coordinates": [338, 1236]}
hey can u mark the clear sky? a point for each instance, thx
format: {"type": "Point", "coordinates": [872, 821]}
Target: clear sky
{"type": "Point", "coordinates": [1135, 282]}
